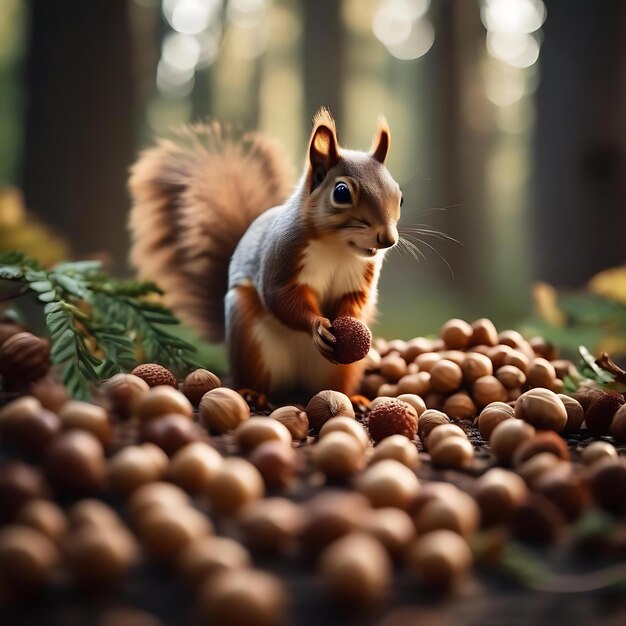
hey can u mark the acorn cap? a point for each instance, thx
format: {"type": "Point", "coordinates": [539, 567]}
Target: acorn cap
{"type": "Point", "coordinates": [353, 340]}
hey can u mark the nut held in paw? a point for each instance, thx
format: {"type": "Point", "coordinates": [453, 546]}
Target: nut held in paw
{"type": "Point", "coordinates": [354, 340]}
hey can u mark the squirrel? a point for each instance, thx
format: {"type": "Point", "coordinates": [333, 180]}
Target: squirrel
{"type": "Point", "coordinates": [242, 260]}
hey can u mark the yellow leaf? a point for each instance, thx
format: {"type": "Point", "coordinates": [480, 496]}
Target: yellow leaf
{"type": "Point", "coordinates": [546, 300]}
{"type": "Point", "coordinates": [610, 284]}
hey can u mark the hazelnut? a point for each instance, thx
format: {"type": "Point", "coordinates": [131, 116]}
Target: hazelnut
{"type": "Point", "coordinates": [392, 527]}
{"type": "Point", "coordinates": [511, 377]}
{"type": "Point", "coordinates": [258, 430]}
{"type": "Point", "coordinates": [223, 409]}
{"type": "Point", "coordinates": [27, 559]}
{"type": "Point", "coordinates": [618, 425]}
{"type": "Point", "coordinates": [426, 361]}
{"type": "Point", "coordinates": [372, 360]}
{"type": "Point", "coordinates": [123, 391]}
{"type": "Point", "coordinates": [276, 463]}
{"type": "Point", "coordinates": [607, 480]}
{"type": "Point", "coordinates": [445, 376]}
{"type": "Point", "coordinates": [8, 328]}
{"type": "Point", "coordinates": [353, 339]}
{"type": "Point", "coordinates": [193, 466]}
{"type": "Point", "coordinates": [507, 436]}
{"type": "Point", "coordinates": [393, 368]}
{"type": "Point", "coordinates": [388, 483]}
{"type": "Point", "coordinates": [434, 400]}
{"type": "Point", "coordinates": [393, 417]}
{"type": "Point", "coordinates": [418, 384]}
{"type": "Point", "coordinates": [488, 389]}
{"type": "Point", "coordinates": [45, 517]}
{"type": "Point", "coordinates": [491, 416]}
{"type": "Point", "coordinates": [475, 366]}
{"type": "Point", "coordinates": [542, 408]}
{"type": "Point", "coordinates": [429, 419]}
{"type": "Point", "coordinates": [92, 512]}
{"type": "Point", "coordinates": [158, 456]}
{"type": "Point", "coordinates": [483, 333]}
{"type": "Point", "coordinates": [498, 493]}
{"type": "Point", "coordinates": [542, 348]}
{"type": "Point", "coordinates": [14, 412]}
{"type": "Point", "coordinates": [326, 404]}
{"type": "Point", "coordinates": [130, 468]}
{"type": "Point", "coordinates": [439, 560]}
{"type": "Point", "coordinates": [415, 347]}
{"type": "Point", "coordinates": [74, 463]}
{"type": "Point", "coordinates": [165, 532]}
{"type": "Point", "coordinates": [535, 467]}
{"type": "Point", "coordinates": [602, 408]}
{"type": "Point", "coordinates": [442, 432]}
{"type": "Point", "coordinates": [537, 520]}
{"type": "Point", "coordinates": [517, 359]}
{"type": "Point", "coordinates": [88, 417]}
{"type": "Point", "coordinates": [242, 597]}
{"type": "Point", "coordinates": [162, 400]}
{"type": "Point", "coordinates": [456, 356]}
{"type": "Point", "coordinates": [449, 509]}
{"type": "Point", "coordinates": [558, 386]}
{"type": "Point", "coordinates": [541, 373]}
{"type": "Point", "coordinates": [575, 414]}
{"type": "Point", "coordinates": [414, 400]}
{"type": "Point", "coordinates": [197, 383]}
{"type": "Point", "coordinates": [452, 452]}
{"type": "Point", "coordinates": [497, 354]}
{"type": "Point", "coordinates": [24, 358]}
{"type": "Point", "coordinates": [28, 426]}
{"type": "Point", "coordinates": [155, 375]}
{"type": "Point", "coordinates": [50, 392]}
{"type": "Point", "coordinates": [270, 525]}
{"type": "Point", "coordinates": [207, 556]}
{"type": "Point", "coordinates": [19, 483]}
{"type": "Point", "coordinates": [171, 432]}
{"type": "Point", "coordinates": [370, 384]}
{"type": "Point", "coordinates": [235, 483]}
{"type": "Point", "coordinates": [158, 495]}
{"type": "Point", "coordinates": [99, 557]}
{"type": "Point", "coordinates": [346, 425]}
{"type": "Point", "coordinates": [565, 489]}
{"type": "Point", "coordinates": [543, 441]}
{"type": "Point", "coordinates": [294, 419]}
{"type": "Point", "coordinates": [597, 451]}
{"type": "Point", "coordinates": [511, 338]}
{"type": "Point", "coordinates": [379, 400]}
{"type": "Point", "coordinates": [338, 455]}
{"type": "Point", "coordinates": [398, 448]}
{"type": "Point", "coordinates": [330, 515]}
{"type": "Point", "coordinates": [456, 334]}
{"type": "Point", "coordinates": [563, 368]}
{"type": "Point", "coordinates": [388, 390]}
{"type": "Point", "coordinates": [459, 406]}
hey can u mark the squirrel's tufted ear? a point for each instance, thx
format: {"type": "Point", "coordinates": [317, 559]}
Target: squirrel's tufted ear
{"type": "Point", "coordinates": [323, 148]}
{"type": "Point", "coordinates": [382, 139]}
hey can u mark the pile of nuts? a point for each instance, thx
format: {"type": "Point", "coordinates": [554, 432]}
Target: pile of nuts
{"type": "Point", "coordinates": [448, 441]}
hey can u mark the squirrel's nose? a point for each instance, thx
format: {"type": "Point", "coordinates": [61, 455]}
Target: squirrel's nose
{"type": "Point", "coordinates": [387, 237]}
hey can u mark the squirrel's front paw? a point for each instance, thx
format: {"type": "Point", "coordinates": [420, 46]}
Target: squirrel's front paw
{"type": "Point", "coordinates": [324, 339]}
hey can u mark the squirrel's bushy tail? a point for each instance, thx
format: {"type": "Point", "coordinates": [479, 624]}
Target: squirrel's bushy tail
{"type": "Point", "coordinates": [194, 196]}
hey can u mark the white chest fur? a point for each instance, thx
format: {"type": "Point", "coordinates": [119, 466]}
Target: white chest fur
{"type": "Point", "coordinates": [330, 269]}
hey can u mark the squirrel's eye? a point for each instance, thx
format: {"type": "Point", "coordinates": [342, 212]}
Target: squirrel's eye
{"type": "Point", "coordinates": [341, 194]}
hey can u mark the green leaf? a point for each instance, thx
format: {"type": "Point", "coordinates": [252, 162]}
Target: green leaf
{"type": "Point", "coordinates": [48, 296]}
{"type": "Point", "coordinates": [9, 272]}
{"type": "Point", "coordinates": [41, 286]}
{"type": "Point", "coordinates": [64, 346]}
{"type": "Point", "coordinates": [71, 285]}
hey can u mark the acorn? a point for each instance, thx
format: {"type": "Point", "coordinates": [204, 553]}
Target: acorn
{"type": "Point", "coordinates": [388, 483]}
{"type": "Point", "coordinates": [326, 404]}
{"type": "Point", "coordinates": [223, 409]}
{"type": "Point", "coordinates": [124, 391]}
{"type": "Point", "coordinates": [294, 419]}
{"type": "Point", "coordinates": [603, 407]}
{"type": "Point", "coordinates": [393, 417]}
{"type": "Point", "coordinates": [155, 375]}
{"type": "Point", "coordinates": [197, 383]}
{"type": "Point", "coordinates": [24, 358]}
{"type": "Point", "coordinates": [353, 340]}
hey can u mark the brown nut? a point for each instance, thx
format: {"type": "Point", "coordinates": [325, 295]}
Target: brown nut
{"type": "Point", "coordinates": [541, 373]}
{"type": "Point", "coordinates": [426, 361]}
{"type": "Point", "coordinates": [130, 468]}
{"type": "Point", "coordinates": [442, 432]}
{"type": "Point", "coordinates": [50, 392]}
{"type": "Point", "coordinates": [277, 464]}
{"type": "Point", "coordinates": [74, 463]}
{"type": "Point", "coordinates": [205, 557]}
{"type": "Point", "coordinates": [498, 493]}
{"type": "Point", "coordinates": [417, 383]}
{"type": "Point", "coordinates": [434, 400]}
{"type": "Point", "coordinates": [356, 570]}
{"type": "Point", "coordinates": [155, 375]}
{"type": "Point", "coordinates": [326, 404]}
{"type": "Point", "coordinates": [484, 333]}
{"type": "Point", "coordinates": [398, 448]}
{"type": "Point", "coordinates": [456, 334]}
{"type": "Point", "coordinates": [393, 368]}
{"type": "Point", "coordinates": [511, 338]}
{"type": "Point", "coordinates": [346, 425]}
{"type": "Point", "coordinates": [338, 455]}
{"type": "Point", "coordinates": [460, 406]}
{"type": "Point", "coordinates": [257, 430]}
{"type": "Point", "coordinates": [491, 416]}
{"type": "Point", "coordinates": [124, 391]}
{"type": "Point", "coordinates": [392, 417]}
{"type": "Point", "coordinates": [445, 376]}
{"type": "Point", "coordinates": [542, 408]}
{"type": "Point", "coordinates": [511, 377]}
{"type": "Point", "coordinates": [497, 354]}
{"type": "Point", "coordinates": [507, 436]}
{"type": "Point", "coordinates": [488, 389]}
{"type": "Point", "coordinates": [271, 525]}
{"type": "Point", "coordinates": [197, 383]}
{"type": "Point", "coordinates": [563, 368]}
{"type": "Point", "coordinates": [543, 348]}
{"type": "Point", "coordinates": [415, 347]}
{"type": "Point", "coordinates": [475, 366]}
{"type": "Point", "coordinates": [353, 339]}
{"type": "Point", "coordinates": [439, 560]}
{"type": "Point", "coordinates": [92, 512]}
{"type": "Point", "coordinates": [517, 359]}
{"type": "Point", "coordinates": [236, 483]}
{"type": "Point", "coordinates": [452, 452]}
{"type": "Point", "coordinates": [44, 516]}
{"type": "Point", "coordinates": [294, 419]}
{"type": "Point", "coordinates": [618, 425]}
{"type": "Point", "coordinates": [537, 520]}
{"type": "Point", "coordinates": [565, 489]}
{"type": "Point", "coordinates": [601, 410]}
{"type": "Point", "coordinates": [414, 400]}
{"type": "Point", "coordinates": [370, 384]}
{"type": "Point", "coordinates": [607, 480]}
{"type": "Point", "coordinates": [575, 414]}
{"type": "Point", "coordinates": [543, 441]}
{"type": "Point", "coordinates": [19, 483]}
{"type": "Point", "coordinates": [388, 389]}
{"type": "Point", "coordinates": [171, 432]}
{"type": "Point", "coordinates": [163, 400]}
{"type": "Point", "coordinates": [241, 597]}
{"type": "Point", "coordinates": [431, 418]}
{"type": "Point", "coordinates": [223, 409]}
{"type": "Point", "coordinates": [447, 508]}
{"type": "Point", "coordinates": [393, 527]}
{"type": "Point", "coordinates": [535, 467]}
{"type": "Point", "coordinates": [388, 483]}
{"type": "Point", "coordinates": [24, 358]}
{"type": "Point", "coordinates": [193, 467]}
{"type": "Point", "coordinates": [159, 495]}
{"type": "Point", "coordinates": [88, 417]}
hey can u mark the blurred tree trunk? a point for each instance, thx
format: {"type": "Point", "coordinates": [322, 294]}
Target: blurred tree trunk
{"type": "Point", "coordinates": [580, 158]}
{"type": "Point", "coordinates": [79, 121]}
{"type": "Point", "coordinates": [323, 56]}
